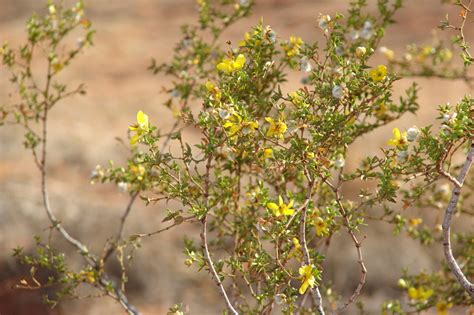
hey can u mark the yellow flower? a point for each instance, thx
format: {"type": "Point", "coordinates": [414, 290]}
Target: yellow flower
{"type": "Point", "coordinates": [138, 171]}
{"type": "Point", "coordinates": [321, 227]}
{"type": "Point", "coordinates": [267, 153]}
{"type": "Point", "coordinates": [399, 138]}
{"type": "Point", "coordinates": [296, 251]}
{"type": "Point", "coordinates": [388, 53]}
{"type": "Point", "coordinates": [210, 86]}
{"type": "Point", "coordinates": [277, 128]}
{"type": "Point", "coordinates": [230, 65]}
{"type": "Point", "coordinates": [213, 90]}
{"type": "Point", "coordinates": [57, 66]}
{"type": "Point", "coordinates": [297, 99]}
{"type": "Point", "coordinates": [420, 293]}
{"type": "Point", "coordinates": [415, 221]}
{"type": "Point", "coordinates": [246, 39]}
{"type": "Point", "coordinates": [141, 128]}
{"type": "Point", "coordinates": [296, 41]}
{"type": "Point", "coordinates": [307, 277]}
{"type": "Point", "coordinates": [281, 208]}
{"type": "Point", "coordinates": [293, 47]}
{"type": "Point", "coordinates": [235, 124]}
{"type": "Point", "coordinates": [379, 73]}
{"type": "Point", "coordinates": [381, 111]}
{"type": "Point", "coordinates": [446, 54]}
{"type": "Point", "coordinates": [87, 276]}
{"type": "Point", "coordinates": [442, 307]}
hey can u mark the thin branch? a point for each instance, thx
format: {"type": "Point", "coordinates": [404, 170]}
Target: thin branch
{"type": "Point", "coordinates": [119, 235]}
{"type": "Point", "coordinates": [44, 188]}
{"type": "Point", "coordinates": [448, 251]}
{"type": "Point", "coordinates": [205, 245]}
{"type": "Point", "coordinates": [118, 295]}
{"type": "Point", "coordinates": [357, 244]}
{"type": "Point", "coordinates": [464, 46]}
{"type": "Point", "coordinates": [315, 293]}
{"type": "Point", "coordinates": [190, 218]}
{"type": "Point", "coordinates": [446, 174]}
{"type": "Point", "coordinates": [126, 213]}
{"type": "Point", "coordinates": [91, 259]}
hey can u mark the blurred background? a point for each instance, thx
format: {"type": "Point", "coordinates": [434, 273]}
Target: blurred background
{"type": "Point", "coordinates": [83, 131]}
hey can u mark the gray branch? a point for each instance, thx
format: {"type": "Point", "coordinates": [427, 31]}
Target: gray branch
{"type": "Point", "coordinates": [448, 251]}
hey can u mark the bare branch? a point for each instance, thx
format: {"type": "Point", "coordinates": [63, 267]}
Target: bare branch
{"type": "Point", "coordinates": [177, 222]}
{"type": "Point", "coordinates": [91, 259]}
{"type": "Point", "coordinates": [448, 251]}
{"type": "Point", "coordinates": [119, 235]}
{"type": "Point", "coordinates": [357, 244]}
{"type": "Point", "coordinates": [205, 245]}
{"type": "Point", "coordinates": [315, 293]}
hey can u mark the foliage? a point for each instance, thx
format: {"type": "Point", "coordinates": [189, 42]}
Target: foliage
{"type": "Point", "coordinates": [265, 182]}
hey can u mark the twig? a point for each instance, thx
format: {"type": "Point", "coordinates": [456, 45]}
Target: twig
{"type": "Point", "coordinates": [205, 245]}
{"type": "Point", "coordinates": [44, 188]}
{"type": "Point", "coordinates": [448, 252]}
{"type": "Point", "coordinates": [166, 228]}
{"type": "Point", "coordinates": [119, 235]}
{"type": "Point", "coordinates": [315, 293]}
{"type": "Point", "coordinates": [118, 295]}
{"type": "Point", "coordinates": [464, 47]}
{"type": "Point", "coordinates": [357, 244]}
{"type": "Point", "coordinates": [91, 259]}
{"type": "Point", "coordinates": [126, 213]}
{"type": "Point", "coordinates": [446, 174]}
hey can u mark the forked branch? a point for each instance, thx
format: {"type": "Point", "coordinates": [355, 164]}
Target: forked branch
{"type": "Point", "coordinates": [448, 214]}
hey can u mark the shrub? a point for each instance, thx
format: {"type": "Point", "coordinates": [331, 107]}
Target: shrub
{"type": "Point", "coordinates": [265, 181]}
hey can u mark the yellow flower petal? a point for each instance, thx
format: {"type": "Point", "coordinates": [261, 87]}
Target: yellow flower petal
{"type": "Point", "coordinates": [288, 211]}
{"type": "Point", "coordinates": [239, 62]}
{"type": "Point", "coordinates": [304, 287]}
{"type": "Point", "coordinates": [142, 118]}
{"type": "Point", "coordinates": [273, 206]}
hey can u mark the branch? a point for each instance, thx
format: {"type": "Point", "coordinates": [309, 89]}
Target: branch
{"type": "Point", "coordinates": [446, 174]}
{"type": "Point", "coordinates": [448, 252]}
{"type": "Point", "coordinates": [205, 245]}
{"type": "Point", "coordinates": [357, 244]}
{"type": "Point", "coordinates": [315, 293]}
{"type": "Point", "coordinates": [177, 222]}
{"type": "Point", "coordinates": [119, 235]}
{"type": "Point", "coordinates": [91, 259]}
{"type": "Point", "coordinates": [44, 188]}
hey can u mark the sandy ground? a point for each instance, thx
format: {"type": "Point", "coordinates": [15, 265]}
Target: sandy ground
{"type": "Point", "coordinates": [129, 34]}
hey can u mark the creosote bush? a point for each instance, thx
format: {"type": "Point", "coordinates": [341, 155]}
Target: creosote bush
{"type": "Point", "coordinates": [265, 182]}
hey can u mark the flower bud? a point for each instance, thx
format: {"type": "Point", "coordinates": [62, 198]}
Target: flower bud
{"type": "Point", "coordinates": [388, 53]}
{"type": "Point", "coordinates": [324, 22]}
{"type": "Point", "coordinates": [122, 187]}
{"type": "Point", "coordinates": [340, 162]}
{"type": "Point", "coordinates": [337, 92]}
{"type": "Point", "coordinates": [402, 156]}
{"type": "Point", "coordinates": [402, 283]}
{"type": "Point", "coordinates": [305, 65]}
{"type": "Point", "coordinates": [360, 51]}
{"type": "Point", "coordinates": [412, 133]}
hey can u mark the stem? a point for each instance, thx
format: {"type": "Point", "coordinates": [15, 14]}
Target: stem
{"type": "Point", "coordinates": [120, 229]}
{"type": "Point", "coordinates": [44, 188]}
{"type": "Point", "coordinates": [448, 251]}
{"type": "Point", "coordinates": [205, 245]}
{"type": "Point", "coordinates": [91, 259]}
{"type": "Point", "coordinates": [358, 245]}
{"type": "Point", "coordinates": [315, 293]}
